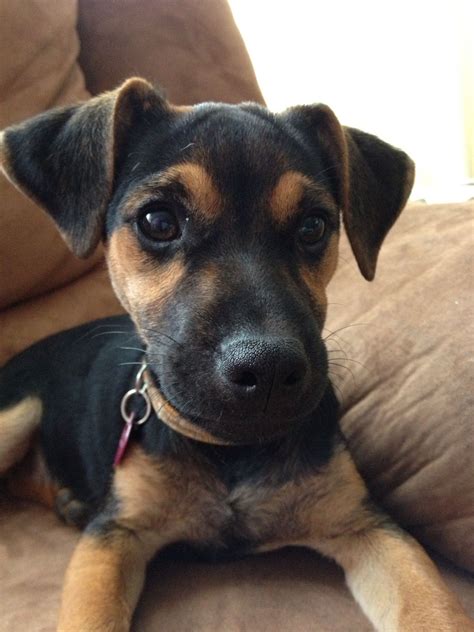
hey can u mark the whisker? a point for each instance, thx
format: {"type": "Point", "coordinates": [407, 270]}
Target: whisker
{"type": "Point", "coordinates": [132, 349]}
{"type": "Point", "coordinates": [320, 173]}
{"type": "Point", "coordinates": [346, 359]}
{"type": "Point", "coordinates": [341, 366]}
{"type": "Point", "coordinates": [89, 333]}
{"type": "Point", "coordinates": [333, 333]}
{"type": "Point", "coordinates": [125, 363]}
{"type": "Point", "coordinates": [156, 332]}
{"type": "Point", "coordinates": [110, 333]}
{"type": "Point", "coordinates": [338, 343]}
{"type": "Point", "coordinates": [338, 390]}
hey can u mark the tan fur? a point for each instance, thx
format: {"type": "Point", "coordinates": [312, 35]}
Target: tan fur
{"type": "Point", "coordinates": [317, 277]}
{"type": "Point", "coordinates": [202, 190]}
{"type": "Point", "coordinates": [317, 506]}
{"type": "Point", "coordinates": [184, 500]}
{"type": "Point", "coordinates": [139, 281]}
{"type": "Point", "coordinates": [288, 193]}
{"type": "Point", "coordinates": [396, 584]}
{"type": "Point", "coordinates": [17, 428]}
{"type": "Point", "coordinates": [392, 578]}
{"type": "Point", "coordinates": [180, 109]}
{"type": "Point", "coordinates": [174, 499]}
{"type": "Point", "coordinates": [162, 501]}
{"type": "Point", "coordinates": [103, 582]}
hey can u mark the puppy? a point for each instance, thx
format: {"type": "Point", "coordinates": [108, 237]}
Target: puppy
{"type": "Point", "coordinates": [218, 426]}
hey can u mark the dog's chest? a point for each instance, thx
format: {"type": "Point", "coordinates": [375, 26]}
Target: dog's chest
{"type": "Point", "coordinates": [187, 502]}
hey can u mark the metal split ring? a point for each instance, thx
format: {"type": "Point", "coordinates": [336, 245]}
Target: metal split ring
{"type": "Point", "coordinates": [141, 390]}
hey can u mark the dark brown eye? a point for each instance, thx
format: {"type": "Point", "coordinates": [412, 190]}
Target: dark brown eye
{"type": "Point", "coordinates": [311, 229]}
{"type": "Point", "coordinates": [159, 225]}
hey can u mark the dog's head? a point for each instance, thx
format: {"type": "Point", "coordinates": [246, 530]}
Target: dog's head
{"type": "Point", "coordinates": [221, 227]}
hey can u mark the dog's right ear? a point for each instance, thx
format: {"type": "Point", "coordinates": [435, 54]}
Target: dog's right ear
{"type": "Point", "coordinates": [65, 159]}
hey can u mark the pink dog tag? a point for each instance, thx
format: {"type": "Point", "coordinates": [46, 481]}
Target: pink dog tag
{"type": "Point", "coordinates": [123, 441]}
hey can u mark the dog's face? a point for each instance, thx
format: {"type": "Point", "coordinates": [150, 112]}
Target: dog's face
{"type": "Point", "coordinates": [221, 226]}
{"type": "Point", "coordinates": [221, 238]}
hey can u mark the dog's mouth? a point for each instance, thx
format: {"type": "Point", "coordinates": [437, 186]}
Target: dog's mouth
{"type": "Point", "coordinates": [215, 431]}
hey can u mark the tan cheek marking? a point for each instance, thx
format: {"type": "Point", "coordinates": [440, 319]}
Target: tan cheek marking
{"type": "Point", "coordinates": [317, 277]}
{"type": "Point", "coordinates": [208, 281]}
{"type": "Point", "coordinates": [140, 282]}
{"type": "Point", "coordinates": [200, 187]}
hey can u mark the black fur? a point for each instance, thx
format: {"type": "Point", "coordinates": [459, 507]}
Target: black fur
{"type": "Point", "coordinates": [71, 373]}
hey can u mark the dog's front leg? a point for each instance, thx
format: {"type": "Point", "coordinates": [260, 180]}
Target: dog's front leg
{"type": "Point", "coordinates": [103, 582]}
{"type": "Point", "coordinates": [396, 584]}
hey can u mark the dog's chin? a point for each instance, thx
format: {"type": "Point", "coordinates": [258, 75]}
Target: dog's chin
{"type": "Point", "coordinates": [251, 430]}
{"type": "Point", "coordinates": [246, 428]}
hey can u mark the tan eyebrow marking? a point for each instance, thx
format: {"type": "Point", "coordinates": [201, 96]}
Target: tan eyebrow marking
{"type": "Point", "coordinates": [199, 186]}
{"type": "Point", "coordinates": [288, 193]}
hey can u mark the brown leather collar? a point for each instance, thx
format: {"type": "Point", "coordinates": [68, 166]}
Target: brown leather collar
{"type": "Point", "coordinates": [172, 418]}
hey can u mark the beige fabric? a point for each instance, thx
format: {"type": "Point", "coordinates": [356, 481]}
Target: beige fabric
{"type": "Point", "coordinates": [408, 384]}
{"type": "Point", "coordinates": [192, 49]}
{"type": "Point", "coordinates": [38, 70]}
{"type": "Point", "coordinates": [84, 299]}
{"type": "Point", "coordinates": [282, 592]}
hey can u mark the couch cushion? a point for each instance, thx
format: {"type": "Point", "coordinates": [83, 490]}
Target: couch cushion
{"type": "Point", "coordinates": [38, 52]}
{"type": "Point", "coordinates": [192, 49]}
{"type": "Point", "coordinates": [407, 382]}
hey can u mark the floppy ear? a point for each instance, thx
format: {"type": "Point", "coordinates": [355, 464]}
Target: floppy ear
{"type": "Point", "coordinates": [370, 179]}
{"type": "Point", "coordinates": [65, 159]}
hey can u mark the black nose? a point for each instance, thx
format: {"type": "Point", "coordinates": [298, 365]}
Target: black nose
{"type": "Point", "coordinates": [259, 368]}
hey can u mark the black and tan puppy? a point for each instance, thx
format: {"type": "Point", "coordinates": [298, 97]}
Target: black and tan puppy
{"type": "Point", "coordinates": [221, 227]}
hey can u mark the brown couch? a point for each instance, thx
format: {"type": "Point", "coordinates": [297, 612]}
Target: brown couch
{"type": "Point", "coordinates": [400, 348]}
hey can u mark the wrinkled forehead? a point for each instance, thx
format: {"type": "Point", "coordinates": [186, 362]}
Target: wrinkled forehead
{"type": "Point", "coordinates": [221, 157]}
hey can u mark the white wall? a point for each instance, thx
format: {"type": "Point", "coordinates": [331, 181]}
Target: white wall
{"type": "Point", "coordinates": [398, 69]}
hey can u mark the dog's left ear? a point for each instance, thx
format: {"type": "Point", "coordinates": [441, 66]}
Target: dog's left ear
{"type": "Point", "coordinates": [66, 159]}
{"type": "Point", "coordinates": [370, 179]}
